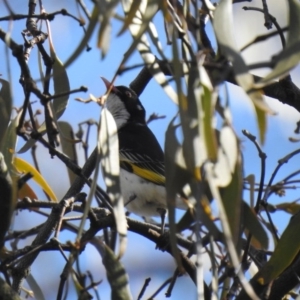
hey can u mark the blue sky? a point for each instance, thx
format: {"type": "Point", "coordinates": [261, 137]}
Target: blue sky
{"type": "Point", "coordinates": [87, 71]}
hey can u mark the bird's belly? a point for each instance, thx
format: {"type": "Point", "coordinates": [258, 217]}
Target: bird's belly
{"type": "Point", "coordinates": [142, 197]}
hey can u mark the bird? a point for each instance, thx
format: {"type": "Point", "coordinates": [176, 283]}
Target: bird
{"type": "Point", "coordinates": [142, 167]}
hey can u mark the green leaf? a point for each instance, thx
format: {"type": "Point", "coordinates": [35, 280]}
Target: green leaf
{"type": "Point", "coordinates": [61, 85]}
{"type": "Point", "coordinates": [68, 145]}
{"type": "Point", "coordinates": [109, 151]}
{"type": "Point", "coordinates": [116, 275]}
{"type": "Point", "coordinates": [253, 225]}
{"type": "Point", "coordinates": [284, 254]}
{"type": "Point", "coordinates": [5, 111]}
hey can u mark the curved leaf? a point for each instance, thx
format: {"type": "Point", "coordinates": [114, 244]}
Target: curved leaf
{"type": "Point", "coordinates": [24, 167]}
{"type": "Point", "coordinates": [285, 252]}
{"type": "Point", "coordinates": [61, 85]}
{"type": "Point", "coordinates": [252, 224]}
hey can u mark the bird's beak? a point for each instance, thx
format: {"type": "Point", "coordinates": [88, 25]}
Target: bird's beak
{"type": "Point", "coordinates": [109, 86]}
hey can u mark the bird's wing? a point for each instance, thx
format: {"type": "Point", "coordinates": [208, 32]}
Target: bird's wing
{"type": "Point", "coordinates": [140, 153]}
{"type": "Point", "coordinates": [143, 166]}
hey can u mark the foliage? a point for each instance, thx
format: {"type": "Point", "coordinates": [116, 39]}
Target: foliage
{"type": "Point", "coordinates": [236, 234]}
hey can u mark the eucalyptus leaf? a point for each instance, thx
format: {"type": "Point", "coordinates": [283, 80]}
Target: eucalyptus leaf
{"type": "Point", "coordinates": [116, 275]}
{"type": "Point", "coordinates": [109, 151]}
{"type": "Point", "coordinates": [285, 252]}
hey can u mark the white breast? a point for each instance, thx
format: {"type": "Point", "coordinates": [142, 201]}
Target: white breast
{"type": "Point", "coordinates": [142, 197]}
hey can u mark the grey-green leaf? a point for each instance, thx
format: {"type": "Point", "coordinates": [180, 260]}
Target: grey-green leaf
{"type": "Point", "coordinates": [109, 151]}
{"type": "Point", "coordinates": [116, 275]}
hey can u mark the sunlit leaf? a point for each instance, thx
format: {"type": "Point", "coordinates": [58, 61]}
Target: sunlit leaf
{"type": "Point", "coordinates": [232, 192]}
{"type": "Point", "coordinates": [207, 103]}
{"type": "Point", "coordinates": [116, 275]}
{"type": "Point", "coordinates": [130, 15]}
{"type": "Point", "coordinates": [228, 154]}
{"type": "Point", "coordinates": [24, 167]}
{"type": "Point", "coordinates": [109, 150]}
{"type": "Point", "coordinates": [194, 150]}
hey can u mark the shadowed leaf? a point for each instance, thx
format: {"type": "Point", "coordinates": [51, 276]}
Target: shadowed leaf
{"type": "Point", "coordinates": [5, 111]}
{"type": "Point", "coordinates": [252, 224]}
{"type": "Point", "coordinates": [116, 275]}
{"type": "Point", "coordinates": [285, 252]}
{"type": "Point", "coordinates": [68, 145]}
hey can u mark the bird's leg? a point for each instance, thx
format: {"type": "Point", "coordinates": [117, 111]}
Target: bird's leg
{"type": "Point", "coordinates": [162, 212]}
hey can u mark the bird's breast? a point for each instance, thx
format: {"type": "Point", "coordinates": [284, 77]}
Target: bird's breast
{"type": "Point", "coordinates": [142, 197]}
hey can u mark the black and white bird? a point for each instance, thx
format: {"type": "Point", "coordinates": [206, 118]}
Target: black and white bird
{"type": "Point", "coordinates": [142, 172]}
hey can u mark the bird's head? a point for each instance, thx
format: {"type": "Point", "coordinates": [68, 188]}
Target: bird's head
{"type": "Point", "coordinates": [124, 105]}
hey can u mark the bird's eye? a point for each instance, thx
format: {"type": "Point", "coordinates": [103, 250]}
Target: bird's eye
{"type": "Point", "coordinates": [128, 94]}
